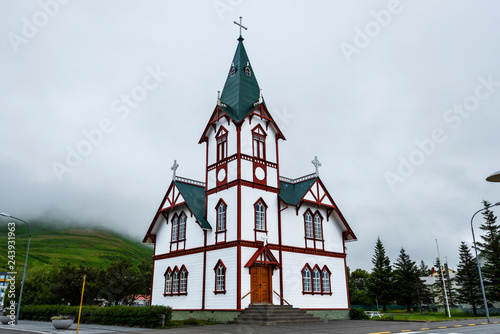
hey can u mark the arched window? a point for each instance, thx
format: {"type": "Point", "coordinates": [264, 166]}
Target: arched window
{"type": "Point", "coordinates": [182, 226]}
{"type": "Point", "coordinates": [175, 281]}
{"type": "Point", "coordinates": [221, 216]}
{"type": "Point", "coordinates": [220, 277]}
{"type": "Point", "coordinates": [260, 215]}
{"type": "Point", "coordinates": [183, 280]}
{"type": "Point", "coordinates": [221, 138]}
{"type": "Point", "coordinates": [316, 280]}
{"type": "Point", "coordinates": [308, 225]}
{"type": "Point", "coordinates": [259, 142]}
{"type": "Point", "coordinates": [325, 278]}
{"type": "Point", "coordinates": [248, 71]}
{"type": "Point", "coordinates": [318, 229]}
{"type": "Point", "coordinates": [306, 279]}
{"type": "Point", "coordinates": [313, 225]}
{"type": "Point", "coordinates": [175, 228]}
{"type": "Point", "coordinates": [168, 282]}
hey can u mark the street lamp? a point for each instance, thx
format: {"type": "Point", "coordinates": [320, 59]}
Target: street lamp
{"type": "Point", "coordinates": [495, 177]}
{"type": "Point", "coordinates": [477, 259]}
{"type": "Point", "coordinates": [25, 262]}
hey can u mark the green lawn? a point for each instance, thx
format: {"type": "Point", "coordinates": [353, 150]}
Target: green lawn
{"type": "Point", "coordinates": [427, 316]}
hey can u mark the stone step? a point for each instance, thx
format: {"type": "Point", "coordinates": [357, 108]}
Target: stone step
{"type": "Point", "coordinates": [266, 314]}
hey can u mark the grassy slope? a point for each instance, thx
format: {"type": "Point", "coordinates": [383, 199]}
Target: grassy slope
{"type": "Point", "coordinates": [49, 243]}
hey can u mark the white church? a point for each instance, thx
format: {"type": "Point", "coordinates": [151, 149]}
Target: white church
{"type": "Point", "coordinates": [247, 235]}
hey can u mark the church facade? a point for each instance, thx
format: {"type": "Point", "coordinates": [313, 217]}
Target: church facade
{"type": "Point", "coordinates": [247, 235]}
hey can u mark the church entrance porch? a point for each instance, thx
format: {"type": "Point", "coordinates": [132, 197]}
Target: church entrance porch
{"type": "Point", "coordinates": [261, 284]}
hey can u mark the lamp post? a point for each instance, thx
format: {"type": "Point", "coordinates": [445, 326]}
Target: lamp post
{"type": "Point", "coordinates": [25, 261]}
{"type": "Point", "coordinates": [477, 259]}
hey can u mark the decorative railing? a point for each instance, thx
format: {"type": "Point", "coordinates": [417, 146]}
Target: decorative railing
{"type": "Point", "coordinates": [185, 180]}
{"type": "Point", "coordinates": [283, 299]}
{"type": "Point", "coordinates": [247, 294]}
{"type": "Point", "coordinates": [297, 180]}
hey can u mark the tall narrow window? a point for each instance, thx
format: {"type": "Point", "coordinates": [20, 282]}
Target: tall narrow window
{"type": "Point", "coordinates": [318, 230]}
{"type": "Point", "coordinates": [325, 276]}
{"type": "Point", "coordinates": [306, 279]}
{"type": "Point", "coordinates": [175, 228]}
{"type": "Point", "coordinates": [175, 281]}
{"type": "Point", "coordinates": [259, 142]}
{"type": "Point", "coordinates": [260, 216]}
{"type": "Point", "coordinates": [182, 226]}
{"type": "Point", "coordinates": [221, 138]}
{"type": "Point", "coordinates": [309, 225]}
{"type": "Point", "coordinates": [220, 277]}
{"type": "Point", "coordinates": [168, 282]}
{"type": "Point", "coordinates": [183, 280]}
{"type": "Point", "coordinates": [316, 281]}
{"type": "Point", "coordinates": [221, 217]}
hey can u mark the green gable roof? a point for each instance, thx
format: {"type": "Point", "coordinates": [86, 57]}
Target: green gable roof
{"type": "Point", "coordinates": [241, 90]}
{"type": "Point", "coordinates": [195, 199]}
{"type": "Point", "coordinates": [293, 193]}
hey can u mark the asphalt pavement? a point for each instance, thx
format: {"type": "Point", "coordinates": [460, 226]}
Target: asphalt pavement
{"type": "Point", "coordinates": [337, 326]}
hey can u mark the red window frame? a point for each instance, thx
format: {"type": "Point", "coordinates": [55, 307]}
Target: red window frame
{"type": "Point", "coordinates": [259, 142]}
{"type": "Point", "coordinates": [313, 221]}
{"type": "Point", "coordinates": [216, 268]}
{"type": "Point", "coordinates": [322, 289]}
{"type": "Point", "coordinates": [177, 286]}
{"type": "Point", "coordinates": [260, 200]}
{"type": "Point", "coordinates": [221, 140]}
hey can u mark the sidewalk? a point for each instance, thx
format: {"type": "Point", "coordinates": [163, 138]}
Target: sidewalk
{"type": "Point", "coordinates": [336, 326]}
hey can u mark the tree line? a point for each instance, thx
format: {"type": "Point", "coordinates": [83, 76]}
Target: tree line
{"type": "Point", "coordinates": [56, 284]}
{"type": "Point", "coordinates": [402, 282]}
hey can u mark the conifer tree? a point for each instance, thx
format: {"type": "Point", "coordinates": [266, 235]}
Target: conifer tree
{"type": "Point", "coordinates": [380, 282]}
{"type": "Point", "coordinates": [490, 251]}
{"type": "Point", "coordinates": [467, 278]}
{"type": "Point", "coordinates": [438, 289]}
{"type": "Point", "coordinates": [405, 274]}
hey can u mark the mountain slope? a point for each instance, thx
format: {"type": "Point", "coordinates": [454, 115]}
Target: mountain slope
{"type": "Point", "coordinates": [89, 247]}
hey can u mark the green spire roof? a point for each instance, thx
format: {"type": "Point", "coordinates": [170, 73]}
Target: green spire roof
{"type": "Point", "coordinates": [241, 89]}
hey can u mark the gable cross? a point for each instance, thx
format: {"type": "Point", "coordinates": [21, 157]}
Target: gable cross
{"type": "Point", "coordinates": [239, 24]}
{"type": "Point", "coordinates": [316, 164]}
{"type": "Point", "coordinates": [174, 168]}
{"type": "Point", "coordinates": [265, 239]}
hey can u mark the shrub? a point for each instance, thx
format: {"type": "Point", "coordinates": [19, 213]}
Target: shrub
{"type": "Point", "coordinates": [358, 314]}
{"type": "Point", "coordinates": [150, 317]}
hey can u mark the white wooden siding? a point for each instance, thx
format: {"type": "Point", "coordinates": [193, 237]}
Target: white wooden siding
{"type": "Point", "coordinates": [293, 264]}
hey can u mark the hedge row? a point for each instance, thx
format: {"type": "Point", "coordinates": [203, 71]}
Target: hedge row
{"type": "Point", "coordinates": [150, 317]}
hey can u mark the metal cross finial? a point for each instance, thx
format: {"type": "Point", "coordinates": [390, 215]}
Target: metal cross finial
{"type": "Point", "coordinates": [316, 164]}
{"type": "Point", "coordinates": [265, 239]}
{"type": "Point", "coordinates": [174, 168]}
{"type": "Point", "coordinates": [239, 24]}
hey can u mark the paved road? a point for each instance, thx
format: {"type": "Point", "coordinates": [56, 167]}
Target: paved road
{"type": "Point", "coordinates": [336, 327]}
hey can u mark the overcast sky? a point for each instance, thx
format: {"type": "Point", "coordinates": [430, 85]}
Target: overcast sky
{"type": "Point", "coordinates": [399, 101]}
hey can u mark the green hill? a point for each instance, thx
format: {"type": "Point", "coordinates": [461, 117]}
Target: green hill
{"type": "Point", "coordinates": [56, 242]}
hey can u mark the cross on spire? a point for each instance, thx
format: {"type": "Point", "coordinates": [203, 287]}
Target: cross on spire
{"type": "Point", "coordinates": [239, 24]}
{"type": "Point", "coordinates": [316, 164]}
{"type": "Point", "coordinates": [174, 168]}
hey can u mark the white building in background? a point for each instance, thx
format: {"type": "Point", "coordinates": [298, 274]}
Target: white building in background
{"type": "Point", "coordinates": [246, 234]}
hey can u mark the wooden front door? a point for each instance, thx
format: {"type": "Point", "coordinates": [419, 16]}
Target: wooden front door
{"type": "Point", "coordinates": [261, 284]}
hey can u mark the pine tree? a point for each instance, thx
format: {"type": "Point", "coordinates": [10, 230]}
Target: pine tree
{"type": "Point", "coordinates": [467, 278]}
{"type": "Point", "coordinates": [423, 269]}
{"type": "Point", "coordinates": [405, 273]}
{"type": "Point", "coordinates": [424, 295]}
{"type": "Point", "coordinates": [380, 282]}
{"type": "Point", "coordinates": [490, 251]}
{"type": "Point", "coordinates": [438, 292]}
